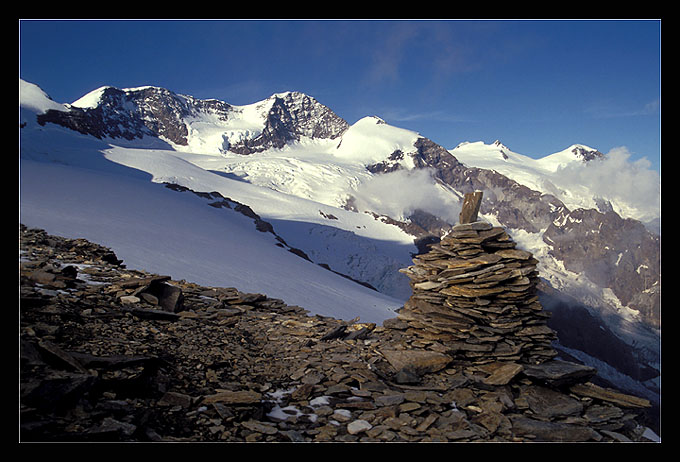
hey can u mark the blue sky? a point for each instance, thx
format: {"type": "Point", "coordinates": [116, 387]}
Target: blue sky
{"type": "Point", "coordinates": [537, 86]}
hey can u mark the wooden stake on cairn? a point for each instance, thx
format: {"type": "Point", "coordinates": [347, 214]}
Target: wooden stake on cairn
{"type": "Point", "coordinates": [471, 203]}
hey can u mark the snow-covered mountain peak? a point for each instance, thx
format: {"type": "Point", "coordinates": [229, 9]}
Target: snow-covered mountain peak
{"type": "Point", "coordinates": [34, 99]}
{"type": "Point", "coordinates": [99, 96]}
{"type": "Point", "coordinates": [91, 99]}
{"type": "Point", "coordinates": [292, 96]}
{"type": "Point", "coordinates": [499, 145]}
{"type": "Point", "coordinates": [479, 154]}
{"type": "Point", "coordinates": [585, 153]}
{"type": "Point", "coordinates": [370, 140]}
{"type": "Point", "coordinates": [374, 119]}
{"type": "Point", "coordinates": [579, 153]}
{"type": "Point", "coordinates": [369, 120]}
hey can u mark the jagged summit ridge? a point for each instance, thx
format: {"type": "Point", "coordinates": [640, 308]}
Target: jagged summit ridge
{"type": "Point", "coordinates": [292, 116]}
{"type": "Point", "coordinates": [585, 153]}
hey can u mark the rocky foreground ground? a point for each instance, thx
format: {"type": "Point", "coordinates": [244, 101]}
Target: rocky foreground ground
{"type": "Point", "coordinates": [109, 353]}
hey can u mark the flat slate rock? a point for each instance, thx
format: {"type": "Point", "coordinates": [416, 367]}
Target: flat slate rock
{"type": "Point", "coordinates": [591, 390]}
{"type": "Point", "coordinates": [503, 374]}
{"type": "Point", "coordinates": [547, 404]}
{"type": "Point", "coordinates": [418, 361]}
{"type": "Point", "coordinates": [550, 431]}
{"type": "Point", "coordinates": [234, 397]}
{"type": "Point", "coordinates": [559, 373]}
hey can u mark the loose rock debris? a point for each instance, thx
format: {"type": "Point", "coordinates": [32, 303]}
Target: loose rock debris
{"type": "Point", "coordinates": [105, 358]}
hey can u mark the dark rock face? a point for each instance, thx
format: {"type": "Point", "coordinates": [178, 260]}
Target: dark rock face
{"type": "Point", "coordinates": [129, 115]}
{"type": "Point", "coordinates": [579, 330]}
{"type": "Point", "coordinates": [391, 164]}
{"type": "Point", "coordinates": [310, 118]}
{"type": "Point", "coordinates": [292, 116]}
{"type": "Point", "coordinates": [586, 154]}
{"type": "Point", "coordinates": [612, 252]}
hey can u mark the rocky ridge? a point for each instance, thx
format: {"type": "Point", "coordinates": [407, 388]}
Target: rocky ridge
{"type": "Point", "coordinates": [115, 354]}
{"type": "Point", "coordinates": [158, 112]}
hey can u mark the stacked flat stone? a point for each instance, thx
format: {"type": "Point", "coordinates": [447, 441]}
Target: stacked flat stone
{"type": "Point", "coordinates": [475, 293]}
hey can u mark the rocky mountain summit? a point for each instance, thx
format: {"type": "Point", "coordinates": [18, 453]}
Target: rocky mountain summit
{"type": "Point", "coordinates": [110, 353]}
{"type": "Point", "coordinates": [586, 154]}
{"type": "Point", "coordinates": [291, 116]}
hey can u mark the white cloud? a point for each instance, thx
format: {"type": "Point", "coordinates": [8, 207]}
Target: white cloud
{"type": "Point", "coordinates": [625, 183]}
{"type": "Point", "coordinates": [399, 193]}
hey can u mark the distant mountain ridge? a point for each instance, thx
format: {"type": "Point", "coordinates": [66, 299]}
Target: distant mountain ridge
{"type": "Point", "coordinates": [153, 111]}
{"type": "Point", "coordinates": [580, 176]}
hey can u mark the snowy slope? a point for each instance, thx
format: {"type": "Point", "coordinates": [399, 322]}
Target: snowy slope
{"type": "Point", "coordinates": [213, 135]}
{"type": "Point", "coordinates": [301, 169]}
{"type": "Point", "coordinates": [352, 243]}
{"type": "Point", "coordinates": [33, 100]}
{"type": "Point", "coordinates": [77, 186]}
{"type": "Point", "coordinates": [322, 170]}
{"type": "Point", "coordinates": [177, 234]}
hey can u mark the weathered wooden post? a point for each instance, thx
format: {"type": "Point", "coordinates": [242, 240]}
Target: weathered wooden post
{"type": "Point", "coordinates": [471, 203]}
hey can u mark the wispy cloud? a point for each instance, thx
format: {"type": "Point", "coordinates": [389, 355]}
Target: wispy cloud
{"type": "Point", "coordinates": [433, 49]}
{"type": "Point", "coordinates": [432, 52]}
{"type": "Point", "coordinates": [389, 53]}
{"type": "Point", "coordinates": [652, 108]}
{"type": "Point", "coordinates": [613, 110]}
{"type": "Point", "coordinates": [403, 115]}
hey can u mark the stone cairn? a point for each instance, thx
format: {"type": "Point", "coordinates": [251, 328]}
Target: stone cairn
{"type": "Point", "coordinates": [475, 293]}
